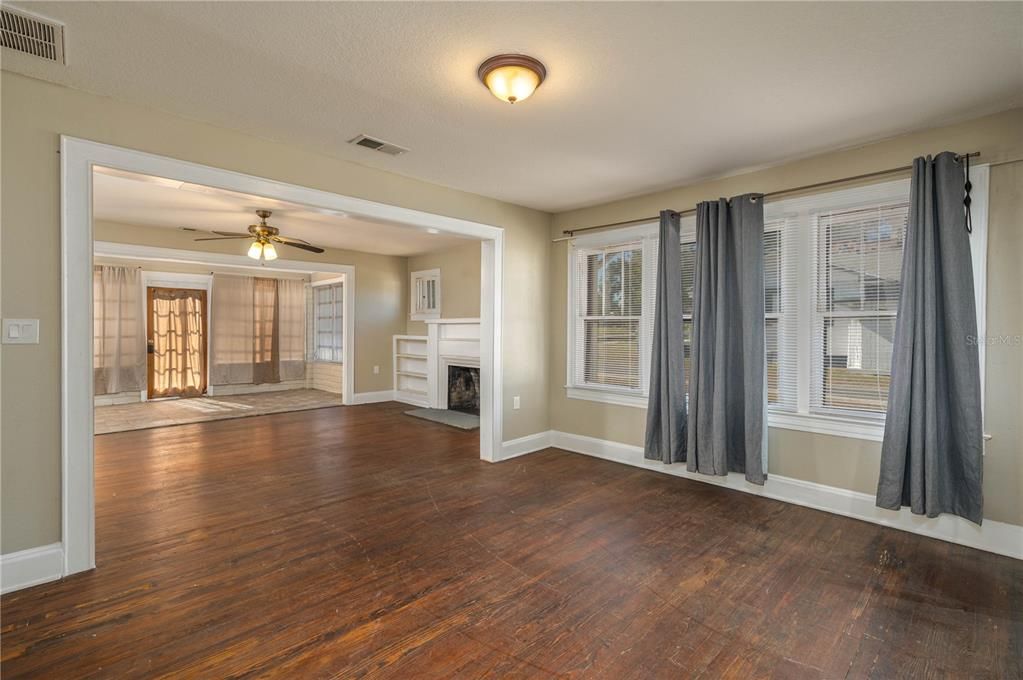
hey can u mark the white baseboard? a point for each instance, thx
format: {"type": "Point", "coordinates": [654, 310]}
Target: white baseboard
{"type": "Point", "coordinates": [31, 567]}
{"type": "Point", "coordinates": [996, 537]}
{"type": "Point", "coordinates": [523, 445]}
{"type": "Point", "coordinates": [372, 397]}
{"type": "Point", "coordinates": [420, 400]}
{"type": "Point", "coordinates": [235, 390]}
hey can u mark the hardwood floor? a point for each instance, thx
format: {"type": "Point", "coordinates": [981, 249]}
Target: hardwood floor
{"type": "Point", "coordinates": [356, 541]}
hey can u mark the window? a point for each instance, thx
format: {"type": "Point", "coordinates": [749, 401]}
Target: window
{"type": "Point", "coordinates": [424, 294]}
{"type": "Point", "coordinates": [832, 268]}
{"type": "Point", "coordinates": [838, 262]}
{"type": "Point", "coordinates": [609, 319]}
{"type": "Point", "coordinates": [328, 315]}
{"type": "Point", "coordinates": [772, 298]}
{"type": "Point", "coordinates": [859, 265]}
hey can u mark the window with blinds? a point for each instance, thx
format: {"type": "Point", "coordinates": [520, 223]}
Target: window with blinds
{"type": "Point", "coordinates": [859, 267]}
{"type": "Point", "coordinates": [328, 326]}
{"type": "Point", "coordinates": [609, 315]}
{"type": "Point", "coordinates": [832, 264]}
{"type": "Point", "coordinates": [773, 304]}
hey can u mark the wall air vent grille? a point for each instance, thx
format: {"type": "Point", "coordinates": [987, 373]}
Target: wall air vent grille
{"type": "Point", "coordinates": [378, 145]}
{"type": "Point", "coordinates": [39, 37]}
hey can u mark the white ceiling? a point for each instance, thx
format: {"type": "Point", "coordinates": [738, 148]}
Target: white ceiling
{"type": "Point", "coordinates": [639, 96]}
{"type": "Point", "coordinates": [130, 198]}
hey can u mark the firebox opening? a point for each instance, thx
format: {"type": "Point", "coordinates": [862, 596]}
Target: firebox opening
{"type": "Point", "coordinates": [464, 389]}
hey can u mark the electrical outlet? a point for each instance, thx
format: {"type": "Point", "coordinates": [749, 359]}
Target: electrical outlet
{"type": "Point", "coordinates": [376, 370]}
{"type": "Point", "coordinates": [516, 403]}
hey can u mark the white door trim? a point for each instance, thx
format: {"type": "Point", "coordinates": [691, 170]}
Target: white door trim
{"type": "Point", "coordinates": [78, 156]}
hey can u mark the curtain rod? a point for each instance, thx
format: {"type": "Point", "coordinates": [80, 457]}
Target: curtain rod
{"type": "Point", "coordinates": [569, 233]}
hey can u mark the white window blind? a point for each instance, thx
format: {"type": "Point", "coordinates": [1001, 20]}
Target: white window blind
{"type": "Point", "coordinates": [688, 255]}
{"type": "Point", "coordinates": [859, 268]}
{"type": "Point", "coordinates": [328, 317]}
{"type": "Point", "coordinates": [610, 335]}
{"type": "Point", "coordinates": [836, 260]}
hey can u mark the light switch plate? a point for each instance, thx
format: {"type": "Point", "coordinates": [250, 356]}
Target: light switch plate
{"type": "Point", "coordinates": [21, 332]}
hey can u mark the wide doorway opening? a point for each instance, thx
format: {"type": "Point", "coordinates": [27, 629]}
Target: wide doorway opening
{"type": "Point", "coordinates": [201, 318]}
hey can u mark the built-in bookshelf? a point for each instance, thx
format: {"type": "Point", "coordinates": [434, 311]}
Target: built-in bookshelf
{"type": "Point", "coordinates": [411, 380]}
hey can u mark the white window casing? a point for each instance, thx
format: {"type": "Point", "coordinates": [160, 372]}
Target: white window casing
{"type": "Point", "coordinates": [424, 294]}
{"type": "Point", "coordinates": [327, 342]}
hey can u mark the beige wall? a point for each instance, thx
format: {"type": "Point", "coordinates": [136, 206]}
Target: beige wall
{"type": "Point", "coordinates": [459, 283]}
{"type": "Point", "coordinates": [380, 293]}
{"type": "Point", "coordinates": [35, 113]}
{"type": "Point", "coordinates": [837, 461]}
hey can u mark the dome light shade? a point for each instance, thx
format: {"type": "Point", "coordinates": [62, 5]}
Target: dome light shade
{"type": "Point", "coordinates": [512, 77]}
{"type": "Point", "coordinates": [256, 250]}
{"type": "Point", "coordinates": [269, 252]}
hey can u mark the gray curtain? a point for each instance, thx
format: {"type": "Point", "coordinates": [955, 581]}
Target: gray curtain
{"type": "Point", "coordinates": [933, 439]}
{"type": "Point", "coordinates": [727, 388]}
{"type": "Point", "coordinates": [666, 409]}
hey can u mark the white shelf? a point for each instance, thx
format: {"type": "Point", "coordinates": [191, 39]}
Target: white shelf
{"type": "Point", "coordinates": [418, 393]}
{"type": "Point", "coordinates": [410, 369]}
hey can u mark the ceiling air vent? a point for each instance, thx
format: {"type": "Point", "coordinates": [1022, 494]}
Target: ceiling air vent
{"type": "Point", "coordinates": [378, 145]}
{"type": "Point", "coordinates": [31, 34]}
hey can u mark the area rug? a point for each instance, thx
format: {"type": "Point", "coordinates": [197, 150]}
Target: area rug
{"type": "Point", "coordinates": [147, 414]}
{"type": "Point", "coordinates": [463, 421]}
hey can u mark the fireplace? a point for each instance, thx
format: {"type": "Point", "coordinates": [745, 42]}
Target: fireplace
{"type": "Point", "coordinates": [464, 389]}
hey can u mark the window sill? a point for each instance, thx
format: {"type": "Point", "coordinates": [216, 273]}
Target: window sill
{"type": "Point", "coordinates": [817, 423]}
{"type": "Point", "coordinates": [855, 428]}
{"type": "Point", "coordinates": [607, 396]}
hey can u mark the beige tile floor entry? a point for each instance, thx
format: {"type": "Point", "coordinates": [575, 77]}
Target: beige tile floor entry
{"type": "Point", "coordinates": [147, 414]}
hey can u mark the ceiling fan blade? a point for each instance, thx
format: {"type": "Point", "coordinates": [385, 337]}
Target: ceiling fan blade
{"type": "Point", "coordinates": [222, 238]}
{"type": "Point", "coordinates": [303, 246]}
{"type": "Point", "coordinates": [288, 239]}
{"type": "Point", "coordinates": [230, 233]}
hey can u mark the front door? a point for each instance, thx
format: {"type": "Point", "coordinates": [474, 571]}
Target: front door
{"type": "Point", "coordinates": [177, 342]}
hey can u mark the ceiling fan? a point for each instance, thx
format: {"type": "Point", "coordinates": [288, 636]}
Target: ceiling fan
{"type": "Point", "coordinates": [263, 238]}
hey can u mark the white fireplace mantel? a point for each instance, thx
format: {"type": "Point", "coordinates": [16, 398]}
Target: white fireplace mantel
{"type": "Point", "coordinates": [450, 342]}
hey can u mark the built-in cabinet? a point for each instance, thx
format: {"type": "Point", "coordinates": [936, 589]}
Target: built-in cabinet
{"type": "Point", "coordinates": [411, 381]}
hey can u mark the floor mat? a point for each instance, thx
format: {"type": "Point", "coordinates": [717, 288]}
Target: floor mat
{"type": "Point", "coordinates": [463, 421]}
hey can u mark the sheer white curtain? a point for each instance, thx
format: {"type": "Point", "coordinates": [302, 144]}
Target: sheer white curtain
{"type": "Point", "coordinates": [118, 329]}
{"type": "Point", "coordinates": [291, 310]}
{"type": "Point", "coordinates": [232, 330]}
{"type": "Point", "coordinates": [258, 330]}
{"type": "Point", "coordinates": [177, 323]}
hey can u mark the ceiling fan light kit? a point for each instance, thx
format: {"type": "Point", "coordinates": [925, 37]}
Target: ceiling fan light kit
{"type": "Point", "coordinates": [263, 238]}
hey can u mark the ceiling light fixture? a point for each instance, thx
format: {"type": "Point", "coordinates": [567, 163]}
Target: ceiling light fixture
{"type": "Point", "coordinates": [512, 77]}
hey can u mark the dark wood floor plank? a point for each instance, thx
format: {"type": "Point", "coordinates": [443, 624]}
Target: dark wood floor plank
{"type": "Point", "coordinates": [358, 542]}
